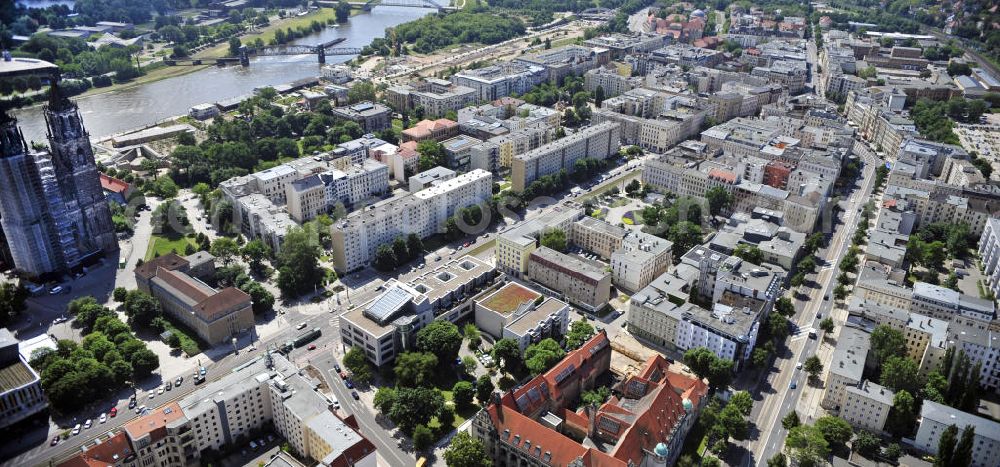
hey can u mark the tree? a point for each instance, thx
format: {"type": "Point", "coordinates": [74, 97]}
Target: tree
{"type": "Point", "coordinates": [777, 460]}
{"type": "Point", "coordinates": [784, 306]}
{"type": "Point", "coordinates": [791, 420]}
{"type": "Point", "coordinates": [946, 447]}
{"type": "Point", "coordinates": [866, 444]}
{"type": "Point", "coordinates": [415, 369]}
{"type": "Point", "coordinates": [422, 437]}
{"type": "Point", "coordinates": [254, 253]}
{"type": "Point", "coordinates": [263, 299]}
{"type": "Point", "coordinates": [415, 406]}
{"type": "Point", "coordinates": [826, 325]}
{"type": "Point", "coordinates": [446, 416]}
{"type": "Point", "coordinates": [554, 238]}
{"type": "Point", "coordinates": [579, 333]}
{"type": "Point", "coordinates": [720, 372]}
{"type": "Point", "coordinates": [462, 394]}
{"type": "Point", "coordinates": [813, 366]}
{"type": "Point", "coordinates": [806, 446]}
{"type": "Point", "coordinates": [901, 373]}
{"type": "Point", "coordinates": [903, 416]}
{"type": "Point", "coordinates": [225, 249]}
{"type": "Point", "coordinates": [595, 397]}
{"type": "Point", "coordinates": [484, 389]}
{"type": "Point", "coordinates": [385, 258]}
{"type": "Point", "coordinates": [742, 401]}
{"type": "Point", "coordinates": [466, 451]}
{"type": "Point", "coordinates": [12, 299]}
{"type": "Point", "coordinates": [836, 431]}
{"type": "Point", "coordinates": [361, 91]}
{"type": "Point", "coordinates": [599, 95]}
{"type": "Point", "coordinates": [760, 357]}
{"type": "Point", "coordinates": [963, 451]}
{"type": "Point", "coordinates": [893, 452]}
{"type": "Point", "coordinates": [342, 11]}
{"type": "Point", "coordinates": [141, 307]}
{"type": "Point", "coordinates": [119, 294]}
{"type": "Point", "coordinates": [732, 421]}
{"type": "Point", "coordinates": [414, 246]}
{"type": "Point", "coordinates": [718, 199]}
{"type": "Point", "coordinates": [887, 342]}
{"type": "Point", "coordinates": [507, 353]}
{"type": "Point", "coordinates": [384, 398]}
{"type": "Point", "coordinates": [749, 253]}
{"type": "Point", "coordinates": [431, 155]}
{"type": "Point", "coordinates": [699, 360]}
{"type": "Point", "coordinates": [299, 271]}
{"type": "Point", "coordinates": [356, 362]}
{"type": "Point", "coordinates": [544, 355]}
{"type": "Point", "coordinates": [442, 339]}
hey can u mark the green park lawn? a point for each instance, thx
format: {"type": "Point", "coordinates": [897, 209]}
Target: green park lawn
{"type": "Point", "coordinates": [161, 245]}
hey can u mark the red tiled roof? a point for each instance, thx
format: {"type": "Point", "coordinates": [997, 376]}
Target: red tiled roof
{"type": "Point", "coordinates": [226, 300]}
{"type": "Point", "coordinates": [651, 418]}
{"type": "Point", "coordinates": [105, 454]}
{"type": "Point", "coordinates": [169, 261]}
{"type": "Point", "coordinates": [723, 175]}
{"type": "Point", "coordinates": [408, 149]}
{"type": "Point", "coordinates": [425, 128]}
{"type": "Point", "coordinates": [155, 423]}
{"type": "Point", "coordinates": [183, 283]}
{"type": "Point", "coordinates": [113, 184]}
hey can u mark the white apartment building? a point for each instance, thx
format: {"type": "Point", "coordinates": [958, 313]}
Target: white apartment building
{"type": "Point", "coordinates": [436, 96]}
{"type": "Point", "coordinates": [935, 418]}
{"type": "Point", "coordinates": [306, 198]}
{"type": "Point", "coordinates": [532, 323]}
{"type": "Point", "coordinates": [983, 347]}
{"type": "Point", "coordinates": [598, 141]}
{"type": "Point", "coordinates": [612, 80]}
{"type": "Point", "coordinates": [356, 237]}
{"type": "Point", "coordinates": [640, 259]}
{"type": "Point", "coordinates": [866, 406]}
{"type": "Point", "coordinates": [989, 251]}
{"type": "Point", "coordinates": [514, 245]}
{"type": "Point", "coordinates": [846, 367]}
{"type": "Point", "coordinates": [501, 80]}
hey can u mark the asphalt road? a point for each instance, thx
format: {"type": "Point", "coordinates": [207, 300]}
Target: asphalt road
{"type": "Point", "coordinates": [776, 398]}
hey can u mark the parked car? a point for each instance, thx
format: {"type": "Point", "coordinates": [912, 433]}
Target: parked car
{"type": "Point", "coordinates": [169, 386]}
{"type": "Point", "coordinates": [56, 290]}
{"type": "Point", "coordinates": [140, 409]}
{"type": "Point", "coordinates": [798, 366]}
{"type": "Point", "coordinates": [336, 368]}
{"type": "Point", "coordinates": [343, 375]}
{"type": "Point", "coordinates": [159, 390]}
{"type": "Point", "coordinates": [349, 384]}
{"type": "Point", "coordinates": [113, 412]}
{"type": "Point", "coordinates": [131, 403]}
{"type": "Point", "coordinates": [87, 424]}
{"type": "Point", "coordinates": [178, 381]}
{"type": "Point", "coordinates": [312, 347]}
{"type": "Point", "coordinates": [104, 418]}
{"type": "Point", "coordinates": [301, 326]}
{"type": "Point", "coordinates": [354, 394]}
{"type": "Point", "coordinates": [55, 440]}
{"type": "Point", "coordinates": [76, 429]}
{"type": "Point", "coordinates": [793, 385]}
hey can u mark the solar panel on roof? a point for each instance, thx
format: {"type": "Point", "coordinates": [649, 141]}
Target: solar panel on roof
{"type": "Point", "coordinates": [388, 304]}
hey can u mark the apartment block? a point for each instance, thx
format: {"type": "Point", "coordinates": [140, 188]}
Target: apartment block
{"type": "Point", "coordinates": [436, 96]}
{"type": "Point", "coordinates": [497, 153]}
{"type": "Point", "coordinates": [598, 141]}
{"type": "Point", "coordinates": [621, 45]}
{"type": "Point", "coordinates": [515, 245]}
{"type": "Point", "coordinates": [846, 366]}
{"type": "Point", "coordinates": [21, 393]}
{"type": "Point", "coordinates": [989, 251]}
{"type": "Point", "coordinates": [611, 80]}
{"type": "Point", "coordinates": [568, 60]}
{"type": "Point", "coordinates": [597, 236]}
{"type": "Point", "coordinates": [640, 259]}
{"type": "Point", "coordinates": [357, 236]}
{"type": "Point", "coordinates": [371, 116]}
{"type": "Point", "coordinates": [501, 80]}
{"type": "Point", "coordinates": [866, 406]}
{"type": "Point", "coordinates": [581, 283]}
{"type": "Point", "coordinates": [935, 418]}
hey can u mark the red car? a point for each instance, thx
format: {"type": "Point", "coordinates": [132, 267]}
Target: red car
{"type": "Point", "coordinates": [113, 412]}
{"type": "Point", "coordinates": [343, 375]}
{"type": "Point", "coordinates": [312, 347]}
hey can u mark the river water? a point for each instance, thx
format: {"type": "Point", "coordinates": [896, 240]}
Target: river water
{"type": "Point", "coordinates": [113, 112]}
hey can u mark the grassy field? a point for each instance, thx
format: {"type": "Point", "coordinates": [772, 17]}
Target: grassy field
{"type": "Point", "coordinates": [190, 344]}
{"type": "Point", "coordinates": [164, 245]}
{"type": "Point", "coordinates": [267, 33]}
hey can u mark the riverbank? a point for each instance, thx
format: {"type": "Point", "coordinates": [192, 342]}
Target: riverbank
{"type": "Point", "coordinates": [221, 50]}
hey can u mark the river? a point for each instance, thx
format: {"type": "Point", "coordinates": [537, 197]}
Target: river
{"type": "Point", "coordinates": [113, 112]}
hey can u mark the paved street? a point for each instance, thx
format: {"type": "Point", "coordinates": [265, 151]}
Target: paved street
{"type": "Point", "coordinates": [775, 398]}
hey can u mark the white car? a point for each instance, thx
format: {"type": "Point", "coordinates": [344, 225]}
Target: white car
{"type": "Point", "coordinates": [87, 424]}
{"type": "Point", "coordinates": [104, 418]}
{"type": "Point", "coordinates": [159, 390]}
{"type": "Point", "coordinates": [76, 429]}
{"type": "Point", "coordinates": [56, 290]}
{"type": "Point", "coordinates": [301, 326]}
{"type": "Point", "coordinates": [798, 366]}
{"type": "Point", "coordinates": [152, 394]}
